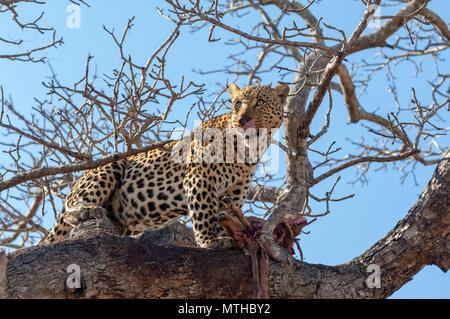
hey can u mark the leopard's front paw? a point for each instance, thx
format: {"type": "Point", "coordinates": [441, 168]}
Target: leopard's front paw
{"type": "Point", "coordinates": [220, 242]}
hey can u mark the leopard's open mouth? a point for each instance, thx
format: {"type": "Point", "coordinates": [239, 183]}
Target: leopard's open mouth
{"type": "Point", "coordinates": [249, 124]}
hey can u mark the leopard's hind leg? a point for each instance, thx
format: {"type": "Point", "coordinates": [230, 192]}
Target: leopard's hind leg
{"type": "Point", "coordinates": [87, 199]}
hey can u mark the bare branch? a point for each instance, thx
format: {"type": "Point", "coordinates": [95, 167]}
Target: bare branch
{"type": "Point", "coordinates": [84, 165]}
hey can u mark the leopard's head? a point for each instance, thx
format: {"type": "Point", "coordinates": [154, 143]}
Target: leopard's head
{"type": "Point", "coordinates": [257, 106]}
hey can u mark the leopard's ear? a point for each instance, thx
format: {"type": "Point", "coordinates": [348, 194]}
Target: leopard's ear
{"type": "Point", "coordinates": [282, 91]}
{"type": "Point", "coordinates": [233, 89]}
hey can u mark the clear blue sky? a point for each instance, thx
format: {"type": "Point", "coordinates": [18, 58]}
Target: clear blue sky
{"type": "Point", "coordinates": [353, 225]}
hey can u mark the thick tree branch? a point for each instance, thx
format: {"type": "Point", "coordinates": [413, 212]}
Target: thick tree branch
{"type": "Point", "coordinates": [437, 21]}
{"type": "Point", "coordinates": [379, 36]}
{"type": "Point", "coordinates": [139, 268]}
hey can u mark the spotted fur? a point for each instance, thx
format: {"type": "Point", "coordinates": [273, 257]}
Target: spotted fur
{"type": "Point", "coordinates": [151, 189]}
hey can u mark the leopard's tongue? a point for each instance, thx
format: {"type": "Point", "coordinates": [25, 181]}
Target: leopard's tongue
{"type": "Point", "coordinates": [249, 124]}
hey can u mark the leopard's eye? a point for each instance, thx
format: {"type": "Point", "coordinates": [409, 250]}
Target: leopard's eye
{"type": "Point", "coordinates": [259, 102]}
{"type": "Point", "coordinates": [238, 104]}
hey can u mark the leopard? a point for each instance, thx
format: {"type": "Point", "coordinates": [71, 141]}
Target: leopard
{"type": "Point", "coordinates": [154, 188]}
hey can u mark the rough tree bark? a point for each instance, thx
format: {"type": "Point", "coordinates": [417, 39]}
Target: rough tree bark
{"type": "Point", "coordinates": [3, 261]}
{"type": "Point", "coordinates": [145, 268]}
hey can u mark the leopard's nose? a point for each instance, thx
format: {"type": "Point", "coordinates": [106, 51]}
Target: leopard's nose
{"type": "Point", "coordinates": [244, 119]}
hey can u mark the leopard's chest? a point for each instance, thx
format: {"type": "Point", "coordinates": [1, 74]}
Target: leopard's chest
{"type": "Point", "coordinates": [233, 176]}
